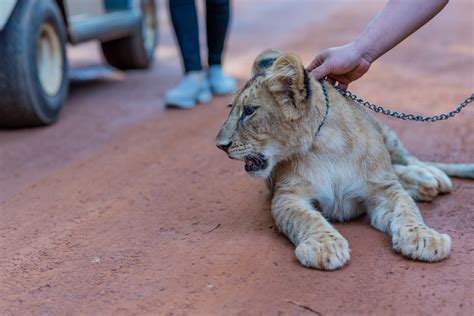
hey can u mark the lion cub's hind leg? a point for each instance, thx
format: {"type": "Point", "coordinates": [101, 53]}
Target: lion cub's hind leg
{"type": "Point", "coordinates": [391, 210]}
{"type": "Point", "coordinates": [422, 181]}
{"type": "Point", "coordinates": [318, 244]}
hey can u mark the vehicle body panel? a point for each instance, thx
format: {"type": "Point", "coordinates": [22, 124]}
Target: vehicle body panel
{"type": "Point", "coordinates": [77, 11]}
{"type": "Point", "coordinates": [6, 9]}
{"type": "Point", "coordinates": [84, 9]}
{"type": "Point", "coordinates": [102, 20]}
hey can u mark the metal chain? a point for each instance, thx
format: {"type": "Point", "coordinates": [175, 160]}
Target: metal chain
{"type": "Point", "coordinates": [404, 116]}
{"type": "Point", "coordinates": [326, 99]}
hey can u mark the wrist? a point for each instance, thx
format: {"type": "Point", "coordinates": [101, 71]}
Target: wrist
{"type": "Point", "coordinates": [364, 50]}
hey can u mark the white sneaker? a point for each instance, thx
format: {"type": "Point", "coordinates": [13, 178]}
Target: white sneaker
{"type": "Point", "coordinates": [194, 87]}
{"type": "Point", "coordinates": [221, 84]}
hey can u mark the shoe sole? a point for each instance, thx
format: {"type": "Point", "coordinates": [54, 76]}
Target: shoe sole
{"type": "Point", "coordinates": [203, 97]}
{"type": "Point", "coordinates": [222, 93]}
{"type": "Point", "coordinates": [181, 105]}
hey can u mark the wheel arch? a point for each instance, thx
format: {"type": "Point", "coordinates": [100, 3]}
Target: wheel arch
{"type": "Point", "coordinates": [9, 5]}
{"type": "Point", "coordinates": [62, 8]}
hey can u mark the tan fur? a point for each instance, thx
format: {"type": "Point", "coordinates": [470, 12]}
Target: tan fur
{"type": "Point", "coordinates": [353, 165]}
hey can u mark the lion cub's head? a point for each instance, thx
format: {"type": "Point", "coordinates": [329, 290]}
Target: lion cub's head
{"type": "Point", "coordinates": [270, 117]}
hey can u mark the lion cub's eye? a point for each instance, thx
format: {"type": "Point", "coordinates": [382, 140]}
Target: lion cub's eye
{"type": "Point", "coordinates": [249, 110]}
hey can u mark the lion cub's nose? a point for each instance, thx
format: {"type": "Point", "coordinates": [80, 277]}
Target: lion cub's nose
{"type": "Point", "coordinates": [224, 146]}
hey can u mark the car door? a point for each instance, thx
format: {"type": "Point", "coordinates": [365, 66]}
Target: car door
{"type": "Point", "coordinates": [80, 10]}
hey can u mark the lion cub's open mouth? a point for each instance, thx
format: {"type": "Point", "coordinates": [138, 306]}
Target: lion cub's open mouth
{"type": "Point", "coordinates": [255, 162]}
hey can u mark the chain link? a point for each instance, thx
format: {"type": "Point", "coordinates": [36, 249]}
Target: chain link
{"type": "Point", "coordinates": [404, 116]}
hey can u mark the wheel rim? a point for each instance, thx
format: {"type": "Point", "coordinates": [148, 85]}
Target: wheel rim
{"type": "Point", "coordinates": [149, 27]}
{"type": "Point", "coordinates": [49, 60]}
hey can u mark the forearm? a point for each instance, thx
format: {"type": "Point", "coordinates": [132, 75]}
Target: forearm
{"type": "Point", "coordinates": [296, 219]}
{"type": "Point", "coordinates": [394, 23]}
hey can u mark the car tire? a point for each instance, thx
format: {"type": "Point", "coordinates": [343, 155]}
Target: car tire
{"type": "Point", "coordinates": [137, 50]}
{"type": "Point", "coordinates": [33, 74]}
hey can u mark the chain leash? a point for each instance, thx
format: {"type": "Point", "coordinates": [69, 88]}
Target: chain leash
{"type": "Point", "coordinates": [404, 116]}
{"type": "Point", "coordinates": [326, 99]}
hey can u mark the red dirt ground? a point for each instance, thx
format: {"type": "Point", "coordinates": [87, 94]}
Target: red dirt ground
{"type": "Point", "coordinates": [124, 207]}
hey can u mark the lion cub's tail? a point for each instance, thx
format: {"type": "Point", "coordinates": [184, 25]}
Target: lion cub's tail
{"type": "Point", "coordinates": [460, 170]}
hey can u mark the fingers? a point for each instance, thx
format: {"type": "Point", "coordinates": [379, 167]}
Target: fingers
{"type": "Point", "coordinates": [331, 81]}
{"type": "Point", "coordinates": [317, 61]}
{"type": "Point", "coordinates": [321, 71]}
{"type": "Point", "coordinates": [338, 84]}
{"type": "Point", "coordinates": [342, 86]}
{"type": "Point", "coordinates": [338, 81]}
{"type": "Point", "coordinates": [342, 81]}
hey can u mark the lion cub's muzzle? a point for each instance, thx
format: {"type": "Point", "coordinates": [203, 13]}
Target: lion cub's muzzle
{"type": "Point", "coordinates": [255, 162]}
{"type": "Point", "coordinates": [223, 145]}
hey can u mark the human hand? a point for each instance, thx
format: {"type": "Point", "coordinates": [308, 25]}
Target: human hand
{"type": "Point", "coordinates": [343, 64]}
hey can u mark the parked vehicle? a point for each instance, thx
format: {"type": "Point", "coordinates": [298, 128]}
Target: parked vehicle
{"type": "Point", "coordinates": [33, 37]}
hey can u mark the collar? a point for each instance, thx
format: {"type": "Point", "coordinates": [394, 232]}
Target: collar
{"type": "Point", "coordinates": [326, 98]}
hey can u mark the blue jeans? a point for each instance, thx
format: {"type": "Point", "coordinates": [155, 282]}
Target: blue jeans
{"type": "Point", "coordinates": [185, 23]}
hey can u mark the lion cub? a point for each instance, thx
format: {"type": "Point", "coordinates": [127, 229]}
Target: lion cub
{"type": "Point", "coordinates": [325, 157]}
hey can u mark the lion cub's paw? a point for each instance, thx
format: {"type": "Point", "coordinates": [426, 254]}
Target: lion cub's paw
{"type": "Point", "coordinates": [325, 253]}
{"type": "Point", "coordinates": [422, 182]}
{"type": "Point", "coordinates": [444, 182]}
{"type": "Point", "coordinates": [422, 243]}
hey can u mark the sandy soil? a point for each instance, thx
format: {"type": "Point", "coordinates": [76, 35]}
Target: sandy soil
{"type": "Point", "coordinates": [124, 207]}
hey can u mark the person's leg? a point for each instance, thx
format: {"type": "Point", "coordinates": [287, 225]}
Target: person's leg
{"type": "Point", "coordinates": [194, 87]}
{"type": "Point", "coordinates": [217, 22]}
{"type": "Point", "coordinates": [185, 24]}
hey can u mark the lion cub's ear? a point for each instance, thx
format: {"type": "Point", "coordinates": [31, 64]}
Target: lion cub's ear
{"type": "Point", "coordinates": [289, 83]}
{"type": "Point", "coordinates": [264, 61]}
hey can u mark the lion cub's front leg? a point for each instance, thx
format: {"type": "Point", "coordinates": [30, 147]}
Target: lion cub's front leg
{"type": "Point", "coordinates": [392, 210]}
{"type": "Point", "coordinates": [318, 244]}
